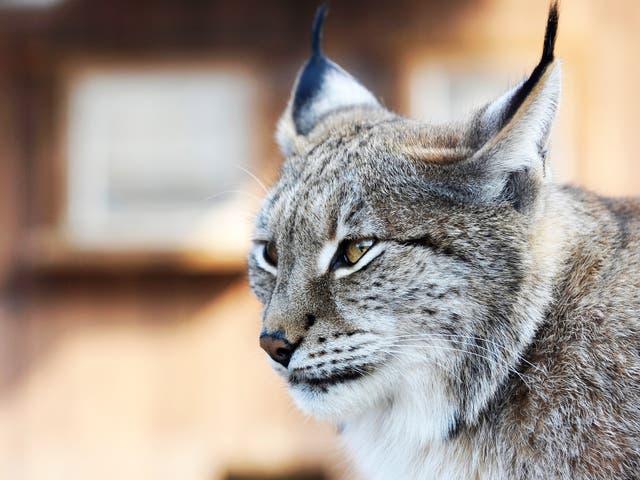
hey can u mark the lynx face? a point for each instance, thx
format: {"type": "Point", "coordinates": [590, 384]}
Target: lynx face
{"type": "Point", "coordinates": [395, 256]}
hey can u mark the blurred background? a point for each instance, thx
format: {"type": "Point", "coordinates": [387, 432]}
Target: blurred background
{"type": "Point", "coordinates": [134, 136]}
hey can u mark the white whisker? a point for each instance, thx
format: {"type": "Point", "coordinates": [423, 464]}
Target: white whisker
{"type": "Point", "coordinates": [495, 359]}
{"type": "Point", "coordinates": [254, 177]}
{"type": "Point", "coordinates": [225, 192]}
{"type": "Point", "coordinates": [500, 346]}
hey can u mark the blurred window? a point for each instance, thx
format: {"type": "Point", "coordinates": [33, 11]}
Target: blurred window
{"type": "Point", "coordinates": [154, 152]}
{"type": "Point", "coordinates": [441, 94]}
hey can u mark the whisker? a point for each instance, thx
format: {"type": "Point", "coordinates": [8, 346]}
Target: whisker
{"type": "Point", "coordinates": [497, 360]}
{"type": "Point", "coordinates": [253, 176]}
{"type": "Point", "coordinates": [396, 354]}
{"type": "Point", "coordinates": [468, 337]}
{"type": "Point", "coordinates": [440, 347]}
{"type": "Point", "coordinates": [488, 350]}
{"type": "Point", "coordinates": [225, 192]}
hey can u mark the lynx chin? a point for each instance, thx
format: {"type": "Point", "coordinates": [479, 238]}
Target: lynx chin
{"type": "Point", "coordinates": [429, 290]}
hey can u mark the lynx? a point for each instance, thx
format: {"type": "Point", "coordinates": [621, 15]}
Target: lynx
{"type": "Point", "coordinates": [430, 291]}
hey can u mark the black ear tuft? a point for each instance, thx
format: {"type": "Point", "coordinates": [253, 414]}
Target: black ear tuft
{"type": "Point", "coordinates": [546, 59]}
{"type": "Point", "coordinates": [311, 78]}
{"type": "Point", "coordinates": [322, 86]}
{"type": "Point", "coordinates": [318, 24]}
{"type": "Point", "coordinates": [550, 34]}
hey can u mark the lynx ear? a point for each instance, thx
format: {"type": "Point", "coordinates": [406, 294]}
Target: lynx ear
{"type": "Point", "coordinates": [513, 131]}
{"type": "Point", "coordinates": [321, 88]}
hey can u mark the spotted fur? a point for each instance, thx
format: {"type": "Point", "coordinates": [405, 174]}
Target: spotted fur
{"type": "Point", "coordinates": [492, 331]}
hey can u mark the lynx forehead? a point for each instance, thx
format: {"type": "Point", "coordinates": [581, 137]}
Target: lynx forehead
{"type": "Point", "coordinates": [430, 290]}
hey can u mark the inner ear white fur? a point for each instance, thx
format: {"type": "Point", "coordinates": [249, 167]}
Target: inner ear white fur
{"type": "Point", "coordinates": [339, 90]}
{"type": "Point", "coordinates": [492, 116]}
{"type": "Point", "coordinates": [530, 126]}
{"type": "Point", "coordinates": [517, 145]}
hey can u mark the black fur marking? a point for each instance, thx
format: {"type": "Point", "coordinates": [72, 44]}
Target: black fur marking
{"type": "Point", "coordinates": [546, 59]}
{"type": "Point", "coordinates": [355, 210]}
{"type": "Point", "coordinates": [428, 242]}
{"type": "Point", "coordinates": [311, 320]}
{"type": "Point", "coordinates": [455, 427]}
{"type": "Point", "coordinates": [451, 332]}
{"type": "Point", "coordinates": [321, 339]}
{"type": "Point", "coordinates": [340, 376]}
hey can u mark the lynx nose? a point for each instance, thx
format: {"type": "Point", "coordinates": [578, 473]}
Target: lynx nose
{"type": "Point", "coordinates": [278, 347]}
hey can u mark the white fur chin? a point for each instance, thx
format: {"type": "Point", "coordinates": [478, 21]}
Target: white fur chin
{"type": "Point", "coordinates": [396, 428]}
{"type": "Point", "coordinates": [342, 401]}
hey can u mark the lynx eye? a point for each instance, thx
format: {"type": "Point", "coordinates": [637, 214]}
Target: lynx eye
{"type": "Point", "coordinates": [355, 250]}
{"type": "Point", "coordinates": [270, 253]}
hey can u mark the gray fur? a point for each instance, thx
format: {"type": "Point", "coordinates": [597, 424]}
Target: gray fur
{"type": "Point", "coordinates": [497, 335]}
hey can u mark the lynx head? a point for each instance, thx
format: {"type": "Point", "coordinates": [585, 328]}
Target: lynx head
{"type": "Point", "coordinates": [395, 257]}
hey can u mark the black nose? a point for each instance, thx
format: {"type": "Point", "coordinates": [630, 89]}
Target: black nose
{"type": "Point", "coordinates": [278, 347]}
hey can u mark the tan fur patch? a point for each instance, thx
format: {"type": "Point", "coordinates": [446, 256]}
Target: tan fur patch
{"type": "Point", "coordinates": [440, 156]}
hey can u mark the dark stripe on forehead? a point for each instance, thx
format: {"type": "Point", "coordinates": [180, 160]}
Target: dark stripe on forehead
{"type": "Point", "coordinates": [325, 161]}
{"type": "Point", "coordinates": [332, 226]}
{"type": "Point", "coordinates": [355, 209]}
{"type": "Point", "coordinates": [339, 198]}
{"type": "Point", "coordinates": [295, 214]}
{"type": "Point", "coordinates": [315, 210]}
{"type": "Point", "coordinates": [303, 185]}
{"type": "Point", "coordinates": [293, 223]}
{"type": "Point", "coordinates": [272, 199]}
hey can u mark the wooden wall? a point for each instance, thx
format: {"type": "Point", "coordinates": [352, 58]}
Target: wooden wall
{"type": "Point", "coordinates": [157, 374]}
